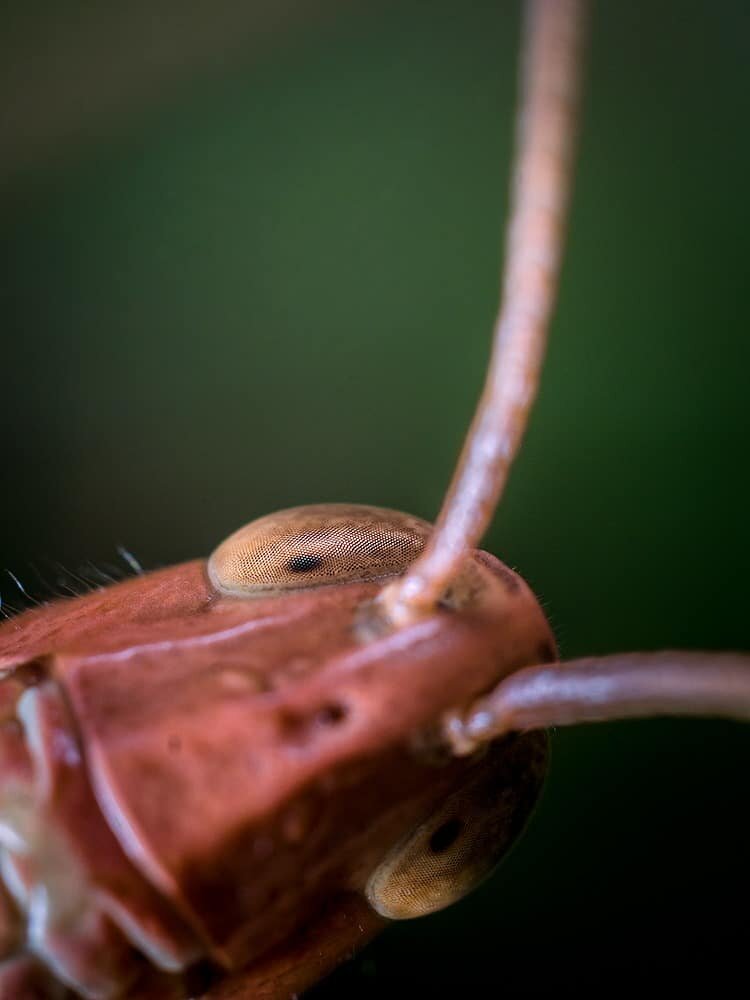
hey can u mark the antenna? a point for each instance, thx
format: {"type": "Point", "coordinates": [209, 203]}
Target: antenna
{"type": "Point", "coordinates": [545, 132]}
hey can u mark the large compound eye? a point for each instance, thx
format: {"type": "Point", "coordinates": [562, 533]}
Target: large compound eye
{"type": "Point", "coordinates": [464, 840]}
{"type": "Point", "coordinates": [312, 546]}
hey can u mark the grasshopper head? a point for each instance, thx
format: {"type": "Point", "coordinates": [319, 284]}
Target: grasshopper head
{"type": "Point", "coordinates": [263, 740]}
{"type": "Point", "coordinates": [416, 829]}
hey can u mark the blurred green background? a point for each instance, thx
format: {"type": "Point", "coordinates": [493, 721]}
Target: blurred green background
{"type": "Point", "coordinates": [250, 260]}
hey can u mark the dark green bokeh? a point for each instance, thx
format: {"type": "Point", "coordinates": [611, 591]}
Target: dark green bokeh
{"type": "Point", "coordinates": [278, 289]}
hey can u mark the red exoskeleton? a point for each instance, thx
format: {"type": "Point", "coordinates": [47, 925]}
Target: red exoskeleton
{"type": "Point", "coordinates": [220, 778]}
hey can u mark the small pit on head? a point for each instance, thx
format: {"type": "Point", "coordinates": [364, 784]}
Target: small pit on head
{"type": "Point", "coordinates": [302, 727]}
{"type": "Point", "coordinates": [332, 714]}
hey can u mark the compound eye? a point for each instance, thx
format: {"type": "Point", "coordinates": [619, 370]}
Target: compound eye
{"type": "Point", "coordinates": [466, 837]}
{"type": "Point", "coordinates": [314, 546]}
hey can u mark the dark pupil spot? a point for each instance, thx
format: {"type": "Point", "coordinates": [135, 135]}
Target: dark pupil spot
{"type": "Point", "coordinates": [445, 836]}
{"type": "Point", "coordinates": [303, 564]}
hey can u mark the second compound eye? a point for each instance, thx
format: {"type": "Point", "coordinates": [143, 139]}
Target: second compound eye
{"type": "Point", "coordinates": [467, 835]}
{"type": "Point", "coordinates": [313, 546]}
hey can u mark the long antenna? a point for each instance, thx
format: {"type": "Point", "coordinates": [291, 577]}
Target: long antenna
{"type": "Point", "coordinates": [539, 198]}
{"type": "Point", "coordinates": [602, 688]}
